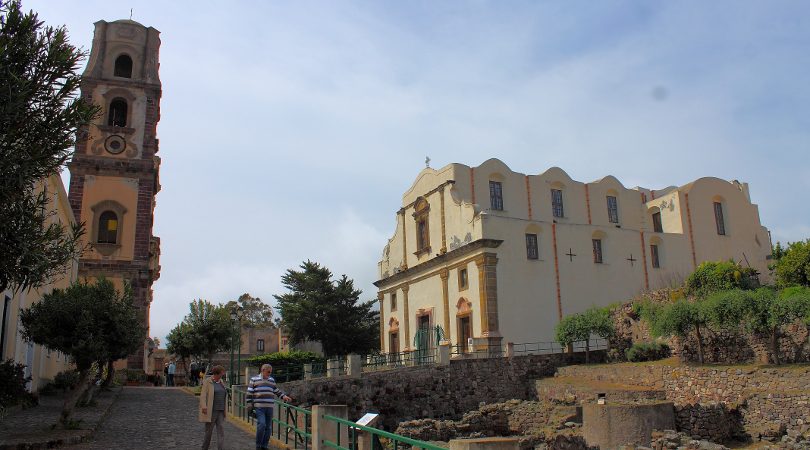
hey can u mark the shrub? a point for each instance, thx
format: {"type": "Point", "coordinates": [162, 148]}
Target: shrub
{"type": "Point", "coordinates": [792, 267]}
{"type": "Point", "coordinates": [66, 380]}
{"type": "Point", "coordinates": [287, 366]}
{"type": "Point", "coordinates": [713, 276]}
{"type": "Point", "coordinates": [12, 385]}
{"type": "Point", "coordinates": [647, 351]}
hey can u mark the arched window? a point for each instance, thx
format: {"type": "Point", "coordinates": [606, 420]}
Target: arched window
{"type": "Point", "coordinates": [118, 113]}
{"type": "Point", "coordinates": [123, 66]}
{"type": "Point", "coordinates": [108, 228]}
{"type": "Point", "coordinates": [655, 215]}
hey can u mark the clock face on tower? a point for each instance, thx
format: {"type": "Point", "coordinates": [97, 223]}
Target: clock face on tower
{"type": "Point", "coordinates": [115, 144]}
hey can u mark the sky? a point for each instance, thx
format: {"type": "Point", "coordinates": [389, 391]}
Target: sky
{"type": "Point", "coordinates": [290, 130]}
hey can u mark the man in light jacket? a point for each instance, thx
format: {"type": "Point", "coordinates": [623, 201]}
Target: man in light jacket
{"type": "Point", "coordinates": [213, 396]}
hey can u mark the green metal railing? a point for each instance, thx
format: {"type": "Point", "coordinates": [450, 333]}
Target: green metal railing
{"type": "Point", "coordinates": [478, 351]}
{"type": "Point", "coordinates": [239, 406]}
{"type": "Point", "coordinates": [383, 361]}
{"type": "Point", "coordinates": [353, 430]}
{"type": "Point", "coordinates": [296, 425]}
{"type": "Point", "coordinates": [537, 348]}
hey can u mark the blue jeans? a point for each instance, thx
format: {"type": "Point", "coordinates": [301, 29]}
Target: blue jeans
{"type": "Point", "coordinates": [264, 426]}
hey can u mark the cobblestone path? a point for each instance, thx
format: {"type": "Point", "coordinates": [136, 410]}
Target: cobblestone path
{"type": "Point", "coordinates": [159, 418]}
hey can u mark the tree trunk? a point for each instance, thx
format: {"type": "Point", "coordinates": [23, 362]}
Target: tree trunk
{"type": "Point", "coordinates": [699, 344]}
{"type": "Point", "coordinates": [587, 351]}
{"type": "Point", "coordinates": [108, 380]}
{"type": "Point", "coordinates": [775, 345]}
{"type": "Point", "coordinates": [73, 396]}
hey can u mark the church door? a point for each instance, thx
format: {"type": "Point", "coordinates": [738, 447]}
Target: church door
{"type": "Point", "coordinates": [464, 332]}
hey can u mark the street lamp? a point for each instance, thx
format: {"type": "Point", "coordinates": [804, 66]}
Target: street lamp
{"type": "Point", "coordinates": [234, 316]}
{"type": "Point", "coordinates": [239, 313]}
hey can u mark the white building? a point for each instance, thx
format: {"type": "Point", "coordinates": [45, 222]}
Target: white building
{"type": "Point", "coordinates": [489, 253]}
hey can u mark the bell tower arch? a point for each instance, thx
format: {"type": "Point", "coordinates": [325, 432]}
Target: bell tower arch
{"type": "Point", "coordinates": [114, 171]}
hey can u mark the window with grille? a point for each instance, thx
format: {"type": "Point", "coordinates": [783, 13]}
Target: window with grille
{"type": "Point", "coordinates": [260, 345]}
{"type": "Point", "coordinates": [597, 251]}
{"type": "Point", "coordinates": [613, 209]}
{"type": "Point", "coordinates": [654, 255]}
{"type": "Point", "coordinates": [531, 246]}
{"type": "Point", "coordinates": [718, 218]}
{"type": "Point", "coordinates": [117, 114]}
{"type": "Point", "coordinates": [496, 195]}
{"type": "Point", "coordinates": [657, 225]}
{"type": "Point", "coordinates": [557, 203]}
{"type": "Point", "coordinates": [393, 301]}
{"type": "Point", "coordinates": [107, 228]}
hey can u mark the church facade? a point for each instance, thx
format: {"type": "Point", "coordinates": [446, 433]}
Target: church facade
{"type": "Point", "coordinates": [114, 172]}
{"type": "Point", "coordinates": [498, 256]}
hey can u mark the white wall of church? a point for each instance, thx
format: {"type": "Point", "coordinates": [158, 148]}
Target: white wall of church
{"type": "Point", "coordinates": [527, 292]}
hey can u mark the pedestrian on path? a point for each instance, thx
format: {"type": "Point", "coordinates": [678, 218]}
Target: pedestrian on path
{"type": "Point", "coordinates": [213, 396]}
{"type": "Point", "coordinates": [172, 369]}
{"type": "Point", "coordinates": [261, 391]}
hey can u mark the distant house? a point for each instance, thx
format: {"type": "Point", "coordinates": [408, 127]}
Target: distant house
{"type": "Point", "coordinates": [308, 346]}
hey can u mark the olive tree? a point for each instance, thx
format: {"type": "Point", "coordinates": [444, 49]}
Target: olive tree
{"type": "Point", "coordinates": [39, 116]}
{"type": "Point", "coordinates": [88, 322]}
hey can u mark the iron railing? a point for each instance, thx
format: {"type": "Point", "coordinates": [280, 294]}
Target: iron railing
{"type": "Point", "coordinates": [293, 423]}
{"type": "Point", "coordinates": [537, 348]}
{"type": "Point", "coordinates": [354, 430]}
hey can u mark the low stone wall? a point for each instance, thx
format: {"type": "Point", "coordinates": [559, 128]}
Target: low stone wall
{"type": "Point", "coordinates": [721, 403]}
{"type": "Point", "coordinates": [445, 392]}
{"type": "Point", "coordinates": [714, 422]}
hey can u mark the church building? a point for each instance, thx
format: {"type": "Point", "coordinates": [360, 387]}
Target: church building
{"type": "Point", "coordinates": [499, 256]}
{"type": "Point", "coordinates": [114, 172]}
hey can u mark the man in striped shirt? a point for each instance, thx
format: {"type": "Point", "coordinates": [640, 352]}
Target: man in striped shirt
{"type": "Point", "coordinates": [261, 391]}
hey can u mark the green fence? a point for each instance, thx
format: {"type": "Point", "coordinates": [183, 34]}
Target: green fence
{"type": "Point", "coordinates": [354, 430]}
{"type": "Point", "coordinates": [292, 424]}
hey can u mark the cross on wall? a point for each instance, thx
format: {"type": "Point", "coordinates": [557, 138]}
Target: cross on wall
{"type": "Point", "coordinates": [631, 259]}
{"type": "Point", "coordinates": [570, 255]}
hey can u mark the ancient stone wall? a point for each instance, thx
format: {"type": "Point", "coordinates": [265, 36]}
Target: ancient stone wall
{"type": "Point", "coordinates": [762, 402]}
{"type": "Point", "coordinates": [442, 392]}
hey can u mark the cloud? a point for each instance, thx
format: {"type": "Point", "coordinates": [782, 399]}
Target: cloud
{"type": "Point", "coordinates": [289, 131]}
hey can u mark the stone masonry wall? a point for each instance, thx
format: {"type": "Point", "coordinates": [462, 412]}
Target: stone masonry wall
{"type": "Point", "coordinates": [445, 392]}
{"type": "Point", "coordinates": [764, 401]}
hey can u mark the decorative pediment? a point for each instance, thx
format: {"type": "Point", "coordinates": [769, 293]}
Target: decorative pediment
{"type": "Point", "coordinates": [463, 306]}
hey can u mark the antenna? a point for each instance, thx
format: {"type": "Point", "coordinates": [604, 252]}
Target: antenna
{"type": "Point", "coordinates": [130, 13]}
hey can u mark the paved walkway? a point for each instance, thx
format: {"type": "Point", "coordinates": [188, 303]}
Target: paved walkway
{"type": "Point", "coordinates": [33, 427]}
{"type": "Point", "coordinates": [159, 418]}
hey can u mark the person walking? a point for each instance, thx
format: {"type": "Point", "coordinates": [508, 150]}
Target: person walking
{"type": "Point", "coordinates": [261, 391]}
{"type": "Point", "coordinates": [166, 373]}
{"type": "Point", "coordinates": [172, 369]}
{"type": "Point", "coordinates": [213, 396]}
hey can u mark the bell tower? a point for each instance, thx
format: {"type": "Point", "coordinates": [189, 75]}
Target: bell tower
{"type": "Point", "coordinates": [114, 171]}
